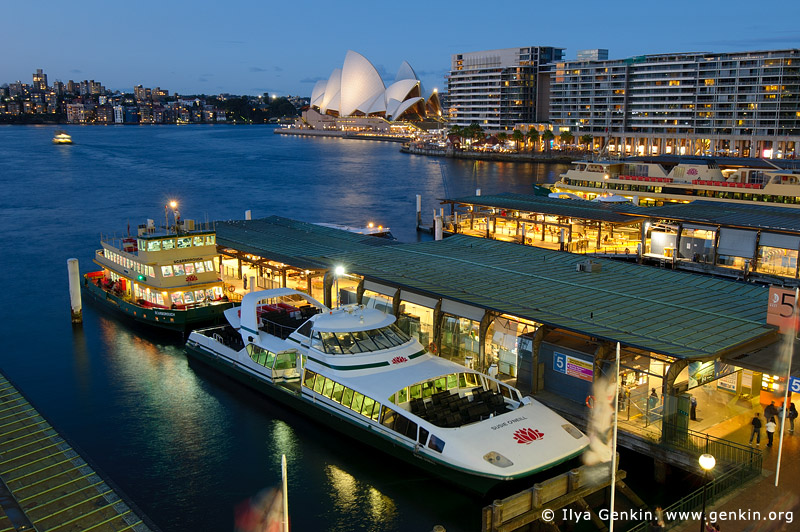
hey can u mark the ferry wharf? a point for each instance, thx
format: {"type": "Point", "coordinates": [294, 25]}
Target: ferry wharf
{"type": "Point", "coordinates": [548, 321]}
{"type": "Point", "coordinates": [46, 485]}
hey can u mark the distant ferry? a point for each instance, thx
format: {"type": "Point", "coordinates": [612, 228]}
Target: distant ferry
{"type": "Point", "coordinates": [656, 181]}
{"type": "Point", "coordinates": [166, 279]}
{"type": "Point", "coordinates": [355, 371]}
{"type": "Point", "coordinates": [61, 137]}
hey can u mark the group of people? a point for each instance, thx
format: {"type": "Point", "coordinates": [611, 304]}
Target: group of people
{"type": "Point", "coordinates": [772, 415]}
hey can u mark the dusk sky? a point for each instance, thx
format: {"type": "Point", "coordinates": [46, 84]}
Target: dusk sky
{"type": "Point", "coordinates": [252, 47]}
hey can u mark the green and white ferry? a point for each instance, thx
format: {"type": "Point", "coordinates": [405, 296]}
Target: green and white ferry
{"type": "Point", "coordinates": [354, 370]}
{"type": "Point", "coordinates": [164, 277]}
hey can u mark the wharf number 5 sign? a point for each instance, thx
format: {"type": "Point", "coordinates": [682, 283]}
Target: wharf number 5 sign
{"type": "Point", "coordinates": [574, 367]}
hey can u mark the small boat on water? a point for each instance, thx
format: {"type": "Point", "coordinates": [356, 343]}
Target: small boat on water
{"type": "Point", "coordinates": [164, 278]}
{"type": "Point", "coordinates": [61, 137]}
{"type": "Point", "coordinates": [354, 370]}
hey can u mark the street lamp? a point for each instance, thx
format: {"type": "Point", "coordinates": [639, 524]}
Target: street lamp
{"type": "Point", "coordinates": [707, 462]}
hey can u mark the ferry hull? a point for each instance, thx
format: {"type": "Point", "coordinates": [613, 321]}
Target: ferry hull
{"type": "Point", "coordinates": [363, 433]}
{"type": "Point", "coordinates": [167, 319]}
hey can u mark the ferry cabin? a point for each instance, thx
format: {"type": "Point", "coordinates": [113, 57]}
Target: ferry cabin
{"type": "Point", "coordinates": [160, 270]}
{"type": "Point", "coordinates": [654, 183]}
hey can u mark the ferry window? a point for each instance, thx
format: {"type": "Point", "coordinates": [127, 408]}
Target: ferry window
{"type": "Point", "coordinates": [402, 395]}
{"type": "Point", "coordinates": [153, 245]}
{"type": "Point", "coordinates": [199, 268]}
{"type": "Point", "coordinates": [388, 418]}
{"type": "Point", "coordinates": [199, 295]}
{"type": "Point", "coordinates": [471, 379]}
{"type": "Point", "coordinates": [337, 392]}
{"type": "Point", "coordinates": [318, 384]}
{"type": "Point", "coordinates": [150, 271]}
{"type": "Point", "coordinates": [347, 397]}
{"type": "Point", "coordinates": [287, 361]}
{"type": "Point", "coordinates": [452, 381]}
{"type": "Point", "coordinates": [415, 392]}
{"type": "Point", "coordinates": [270, 359]}
{"type": "Point", "coordinates": [316, 342]}
{"type": "Point", "coordinates": [218, 291]}
{"type": "Point", "coordinates": [188, 298]}
{"type": "Point", "coordinates": [169, 243]}
{"type": "Point", "coordinates": [159, 299]}
{"type": "Point", "coordinates": [436, 444]}
{"type": "Point", "coordinates": [396, 335]}
{"type": "Point", "coordinates": [189, 268]}
{"type": "Point", "coordinates": [209, 266]}
{"type": "Point", "coordinates": [141, 244]}
{"type": "Point", "coordinates": [346, 342]}
{"type": "Point", "coordinates": [179, 269]}
{"type": "Point", "coordinates": [209, 240]}
{"type": "Point", "coordinates": [185, 242]}
{"type": "Point", "coordinates": [176, 298]}
{"type": "Point", "coordinates": [364, 342]}
{"type": "Point", "coordinates": [380, 340]}
{"type": "Point", "coordinates": [376, 412]}
{"type": "Point", "coordinates": [423, 435]}
{"type": "Point", "coordinates": [427, 389]}
{"type": "Point", "coordinates": [210, 293]}
{"type": "Point", "coordinates": [305, 329]}
{"type": "Point", "coordinates": [439, 385]}
{"type": "Point", "coordinates": [198, 241]}
{"type": "Point", "coordinates": [369, 403]}
{"type": "Point", "coordinates": [330, 345]}
{"type": "Point", "coordinates": [401, 425]}
{"type": "Point", "coordinates": [166, 271]}
{"type": "Point", "coordinates": [506, 391]}
{"type": "Point", "coordinates": [308, 382]}
{"type": "Point", "coordinates": [358, 400]}
{"type": "Point", "coordinates": [327, 391]}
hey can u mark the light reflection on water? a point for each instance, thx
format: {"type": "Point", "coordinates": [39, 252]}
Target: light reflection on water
{"type": "Point", "coordinates": [354, 497]}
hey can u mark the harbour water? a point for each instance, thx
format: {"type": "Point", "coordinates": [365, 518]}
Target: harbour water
{"type": "Point", "coordinates": [186, 445]}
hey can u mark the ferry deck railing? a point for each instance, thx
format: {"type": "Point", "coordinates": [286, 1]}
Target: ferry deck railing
{"type": "Point", "coordinates": [723, 450]}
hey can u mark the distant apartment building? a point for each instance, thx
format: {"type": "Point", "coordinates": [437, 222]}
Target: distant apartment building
{"type": "Point", "coordinates": [119, 114]}
{"type": "Point", "coordinates": [80, 113]}
{"type": "Point", "coordinates": [597, 54]}
{"type": "Point", "coordinates": [745, 104]}
{"type": "Point", "coordinates": [498, 89]}
{"type": "Point", "coordinates": [39, 81]}
{"type": "Point", "coordinates": [105, 114]}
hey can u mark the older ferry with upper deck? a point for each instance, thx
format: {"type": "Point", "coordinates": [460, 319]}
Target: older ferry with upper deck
{"type": "Point", "coordinates": [354, 370]}
{"type": "Point", "coordinates": [658, 180]}
{"type": "Point", "coordinates": [164, 278]}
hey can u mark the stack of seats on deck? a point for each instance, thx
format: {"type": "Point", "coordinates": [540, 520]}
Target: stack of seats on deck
{"type": "Point", "coordinates": [447, 409]}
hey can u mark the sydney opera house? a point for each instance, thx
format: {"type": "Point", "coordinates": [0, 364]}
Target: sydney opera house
{"type": "Point", "coordinates": [357, 91]}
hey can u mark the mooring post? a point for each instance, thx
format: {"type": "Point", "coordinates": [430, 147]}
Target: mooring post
{"type": "Point", "coordinates": [75, 290]}
{"type": "Point", "coordinates": [419, 211]}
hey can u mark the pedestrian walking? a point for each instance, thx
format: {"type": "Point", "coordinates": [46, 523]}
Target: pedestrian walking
{"type": "Point", "coordinates": [791, 415]}
{"type": "Point", "coordinates": [693, 408]}
{"type": "Point", "coordinates": [756, 422]}
{"type": "Point", "coordinates": [770, 430]}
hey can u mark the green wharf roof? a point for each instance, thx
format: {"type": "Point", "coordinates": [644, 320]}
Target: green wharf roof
{"type": "Point", "coordinates": [300, 244]}
{"type": "Point", "coordinates": [673, 313]}
{"type": "Point", "coordinates": [757, 216]}
{"type": "Point", "coordinates": [587, 210]}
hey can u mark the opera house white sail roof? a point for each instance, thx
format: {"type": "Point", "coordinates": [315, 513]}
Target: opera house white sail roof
{"type": "Point", "coordinates": [357, 89]}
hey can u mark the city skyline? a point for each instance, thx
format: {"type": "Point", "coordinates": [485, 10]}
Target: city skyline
{"type": "Point", "coordinates": [280, 49]}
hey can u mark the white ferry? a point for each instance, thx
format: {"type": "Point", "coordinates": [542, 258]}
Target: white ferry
{"type": "Point", "coordinates": [353, 369]}
{"type": "Point", "coordinates": [658, 181]}
{"type": "Point", "coordinates": [166, 278]}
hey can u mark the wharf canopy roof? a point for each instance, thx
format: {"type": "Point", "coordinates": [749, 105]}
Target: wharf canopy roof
{"type": "Point", "coordinates": [673, 313]}
{"type": "Point", "coordinates": [357, 89]}
{"type": "Point", "coordinates": [299, 244]}
{"type": "Point", "coordinates": [770, 217]}
{"type": "Point", "coordinates": [580, 209]}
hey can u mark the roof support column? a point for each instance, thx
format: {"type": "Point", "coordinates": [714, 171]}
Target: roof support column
{"type": "Point", "coordinates": [605, 352]}
{"type": "Point", "coordinates": [360, 292]}
{"type": "Point", "coordinates": [327, 285]}
{"type": "Point", "coordinates": [396, 303]}
{"type": "Point", "coordinates": [599, 230]}
{"type": "Point", "coordinates": [754, 263]}
{"type": "Point", "coordinates": [438, 317]}
{"type": "Point", "coordinates": [486, 321]}
{"type": "Point", "coordinates": [716, 245]}
{"type": "Point", "coordinates": [537, 384]}
{"type": "Point", "coordinates": [308, 283]}
{"type": "Point", "coordinates": [239, 264]}
{"type": "Point", "coordinates": [283, 278]}
{"type": "Point", "coordinates": [677, 250]}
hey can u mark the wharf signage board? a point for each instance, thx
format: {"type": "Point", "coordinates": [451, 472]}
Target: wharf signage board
{"type": "Point", "coordinates": [781, 307]}
{"type": "Point", "coordinates": [794, 384]}
{"type": "Point", "coordinates": [574, 367]}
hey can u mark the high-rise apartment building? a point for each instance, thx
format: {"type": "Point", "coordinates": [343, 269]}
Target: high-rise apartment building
{"type": "Point", "coordinates": [744, 103]}
{"type": "Point", "coordinates": [39, 81]}
{"type": "Point", "coordinates": [498, 89]}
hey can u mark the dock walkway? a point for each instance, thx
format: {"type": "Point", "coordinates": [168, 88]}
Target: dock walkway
{"type": "Point", "coordinates": [45, 484]}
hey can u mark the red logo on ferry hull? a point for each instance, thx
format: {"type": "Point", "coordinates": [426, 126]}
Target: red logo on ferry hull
{"type": "Point", "coordinates": [527, 436]}
{"type": "Point", "coordinates": [399, 360]}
